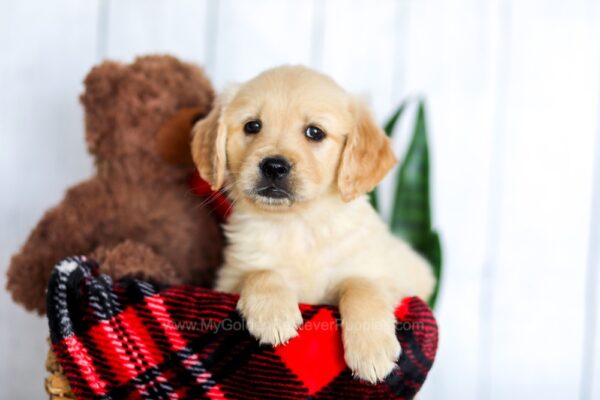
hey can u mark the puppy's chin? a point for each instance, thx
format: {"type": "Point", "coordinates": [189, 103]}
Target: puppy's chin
{"type": "Point", "coordinates": [270, 198]}
{"type": "Point", "coordinates": [275, 204]}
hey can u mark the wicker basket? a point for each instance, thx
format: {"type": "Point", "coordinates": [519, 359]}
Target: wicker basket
{"type": "Point", "coordinates": [57, 385]}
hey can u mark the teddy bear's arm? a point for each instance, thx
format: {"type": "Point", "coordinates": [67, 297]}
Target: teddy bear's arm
{"type": "Point", "coordinates": [87, 222]}
{"type": "Point", "coordinates": [134, 259]}
{"type": "Point", "coordinates": [65, 230]}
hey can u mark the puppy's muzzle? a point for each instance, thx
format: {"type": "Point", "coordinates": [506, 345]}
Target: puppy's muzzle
{"type": "Point", "coordinates": [275, 171]}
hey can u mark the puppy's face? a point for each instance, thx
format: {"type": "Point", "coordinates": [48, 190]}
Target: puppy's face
{"type": "Point", "coordinates": [286, 130]}
{"type": "Point", "coordinates": [288, 137]}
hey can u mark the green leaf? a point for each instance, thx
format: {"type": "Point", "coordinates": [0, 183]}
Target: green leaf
{"type": "Point", "coordinates": [391, 123]}
{"type": "Point", "coordinates": [411, 213]}
{"type": "Point", "coordinates": [374, 199]}
{"type": "Point", "coordinates": [388, 128]}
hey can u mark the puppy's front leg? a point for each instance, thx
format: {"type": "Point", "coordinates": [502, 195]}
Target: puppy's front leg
{"type": "Point", "coordinates": [368, 329]}
{"type": "Point", "coordinates": [269, 307]}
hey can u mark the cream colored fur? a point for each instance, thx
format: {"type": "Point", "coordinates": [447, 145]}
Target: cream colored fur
{"type": "Point", "coordinates": [327, 244]}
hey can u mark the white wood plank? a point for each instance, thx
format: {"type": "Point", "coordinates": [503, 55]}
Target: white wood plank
{"type": "Point", "coordinates": [137, 27]}
{"type": "Point", "coordinates": [257, 35]}
{"type": "Point", "coordinates": [590, 379]}
{"type": "Point", "coordinates": [451, 58]}
{"type": "Point", "coordinates": [590, 382]}
{"type": "Point", "coordinates": [500, 16]}
{"type": "Point", "coordinates": [358, 49]}
{"type": "Point", "coordinates": [545, 204]}
{"type": "Point", "coordinates": [47, 48]}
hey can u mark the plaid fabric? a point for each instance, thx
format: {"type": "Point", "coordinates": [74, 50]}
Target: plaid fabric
{"type": "Point", "coordinates": [137, 340]}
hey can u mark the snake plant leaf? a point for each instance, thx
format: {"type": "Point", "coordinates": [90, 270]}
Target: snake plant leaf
{"type": "Point", "coordinates": [411, 213]}
{"type": "Point", "coordinates": [390, 125]}
{"type": "Point", "coordinates": [388, 128]}
{"type": "Point", "coordinates": [374, 199]}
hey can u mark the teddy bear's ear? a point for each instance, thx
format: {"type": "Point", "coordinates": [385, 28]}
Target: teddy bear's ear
{"type": "Point", "coordinates": [101, 88]}
{"type": "Point", "coordinates": [101, 83]}
{"type": "Point", "coordinates": [173, 140]}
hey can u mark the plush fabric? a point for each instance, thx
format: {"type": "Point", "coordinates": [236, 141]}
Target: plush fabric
{"type": "Point", "coordinates": [140, 340]}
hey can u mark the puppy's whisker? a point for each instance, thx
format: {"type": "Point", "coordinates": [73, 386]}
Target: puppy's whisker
{"type": "Point", "coordinates": [214, 209]}
{"type": "Point", "coordinates": [230, 207]}
{"type": "Point", "coordinates": [208, 200]}
{"type": "Point", "coordinates": [213, 196]}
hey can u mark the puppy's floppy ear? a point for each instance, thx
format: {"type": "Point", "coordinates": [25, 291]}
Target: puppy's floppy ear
{"type": "Point", "coordinates": [367, 156]}
{"type": "Point", "coordinates": [209, 143]}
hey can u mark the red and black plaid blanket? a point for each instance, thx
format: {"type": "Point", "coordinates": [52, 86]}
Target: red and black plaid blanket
{"type": "Point", "coordinates": [137, 340]}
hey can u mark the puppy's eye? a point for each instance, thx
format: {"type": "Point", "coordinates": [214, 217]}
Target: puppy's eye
{"type": "Point", "coordinates": [252, 127]}
{"type": "Point", "coordinates": [313, 133]}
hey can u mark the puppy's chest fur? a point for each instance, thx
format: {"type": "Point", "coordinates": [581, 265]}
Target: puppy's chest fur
{"type": "Point", "coordinates": [311, 251]}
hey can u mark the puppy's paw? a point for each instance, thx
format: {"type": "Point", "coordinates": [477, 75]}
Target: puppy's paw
{"type": "Point", "coordinates": [271, 318]}
{"type": "Point", "coordinates": [371, 353]}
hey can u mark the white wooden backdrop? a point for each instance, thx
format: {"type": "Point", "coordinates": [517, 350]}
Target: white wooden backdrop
{"type": "Point", "coordinates": [513, 93]}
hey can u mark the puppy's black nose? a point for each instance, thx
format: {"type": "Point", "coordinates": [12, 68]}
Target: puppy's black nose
{"type": "Point", "coordinates": [275, 167]}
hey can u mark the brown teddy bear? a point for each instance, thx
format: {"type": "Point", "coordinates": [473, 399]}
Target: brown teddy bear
{"type": "Point", "coordinates": [138, 215]}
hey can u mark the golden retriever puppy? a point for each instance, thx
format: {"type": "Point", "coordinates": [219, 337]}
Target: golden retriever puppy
{"type": "Point", "coordinates": [296, 154]}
